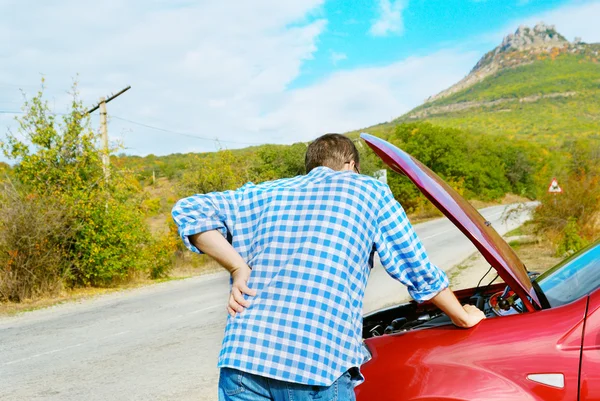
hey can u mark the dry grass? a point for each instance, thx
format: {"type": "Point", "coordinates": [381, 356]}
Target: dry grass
{"type": "Point", "coordinates": [183, 269]}
{"type": "Point", "coordinates": [538, 255]}
{"type": "Point", "coordinates": [506, 200]}
{"type": "Point", "coordinates": [71, 295]}
{"type": "Point", "coordinates": [513, 198]}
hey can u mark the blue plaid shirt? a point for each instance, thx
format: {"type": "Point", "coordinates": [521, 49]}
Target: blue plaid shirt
{"type": "Point", "coordinates": [309, 242]}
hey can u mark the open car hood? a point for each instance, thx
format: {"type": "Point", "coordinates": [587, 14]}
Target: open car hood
{"type": "Point", "coordinates": [491, 245]}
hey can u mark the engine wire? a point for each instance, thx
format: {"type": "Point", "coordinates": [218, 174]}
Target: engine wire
{"type": "Point", "coordinates": [493, 280]}
{"type": "Point", "coordinates": [480, 280]}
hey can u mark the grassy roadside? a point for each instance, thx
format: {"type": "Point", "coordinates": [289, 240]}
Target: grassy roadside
{"type": "Point", "coordinates": [536, 254]}
{"type": "Point", "coordinates": [78, 294]}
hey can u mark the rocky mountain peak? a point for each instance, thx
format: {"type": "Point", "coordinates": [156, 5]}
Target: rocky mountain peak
{"type": "Point", "coordinates": [516, 49]}
{"type": "Point", "coordinates": [541, 35]}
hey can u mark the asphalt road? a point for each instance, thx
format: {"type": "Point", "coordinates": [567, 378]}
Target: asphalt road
{"type": "Point", "coordinates": [160, 342]}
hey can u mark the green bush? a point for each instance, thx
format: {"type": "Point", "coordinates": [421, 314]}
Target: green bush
{"type": "Point", "coordinates": [214, 172]}
{"type": "Point", "coordinates": [160, 255]}
{"type": "Point", "coordinates": [108, 247]}
{"type": "Point", "coordinates": [570, 241]}
{"type": "Point", "coordinates": [151, 206]}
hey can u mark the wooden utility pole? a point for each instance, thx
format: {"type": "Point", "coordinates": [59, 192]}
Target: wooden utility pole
{"type": "Point", "coordinates": [104, 129]}
{"type": "Point", "coordinates": [104, 133]}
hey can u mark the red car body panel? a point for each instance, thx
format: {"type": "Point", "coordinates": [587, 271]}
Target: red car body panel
{"type": "Point", "coordinates": [488, 362]}
{"type": "Point", "coordinates": [590, 356]}
{"type": "Point", "coordinates": [491, 245]}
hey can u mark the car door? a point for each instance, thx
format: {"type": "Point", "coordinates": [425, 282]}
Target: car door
{"type": "Point", "coordinates": [590, 355]}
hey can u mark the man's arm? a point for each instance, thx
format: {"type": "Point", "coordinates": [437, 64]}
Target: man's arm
{"type": "Point", "coordinates": [404, 258]}
{"type": "Point", "coordinates": [216, 246]}
{"type": "Point", "coordinates": [203, 222]}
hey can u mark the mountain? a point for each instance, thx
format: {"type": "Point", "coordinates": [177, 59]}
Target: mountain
{"type": "Point", "coordinates": [535, 84]}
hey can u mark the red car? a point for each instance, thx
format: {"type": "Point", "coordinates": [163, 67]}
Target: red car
{"type": "Point", "coordinates": [540, 341]}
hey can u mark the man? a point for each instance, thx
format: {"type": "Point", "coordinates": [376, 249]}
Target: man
{"type": "Point", "coordinates": [299, 251]}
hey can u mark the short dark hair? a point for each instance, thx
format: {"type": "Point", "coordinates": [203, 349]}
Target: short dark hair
{"type": "Point", "coordinates": [330, 150]}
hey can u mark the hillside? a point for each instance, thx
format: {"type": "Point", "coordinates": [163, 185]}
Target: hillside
{"type": "Point", "coordinates": [536, 85]}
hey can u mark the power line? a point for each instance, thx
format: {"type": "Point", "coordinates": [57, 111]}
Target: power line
{"type": "Point", "coordinates": [183, 133]}
{"type": "Point", "coordinates": [22, 112]}
{"type": "Point", "coordinates": [155, 128]}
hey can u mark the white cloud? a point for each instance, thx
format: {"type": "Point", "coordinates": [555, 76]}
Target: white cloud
{"type": "Point", "coordinates": [350, 100]}
{"type": "Point", "coordinates": [390, 18]}
{"type": "Point", "coordinates": [202, 67]}
{"type": "Point", "coordinates": [358, 98]}
{"type": "Point", "coordinates": [573, 20]}
{"type": "Point", "coordinates": [336, 57]}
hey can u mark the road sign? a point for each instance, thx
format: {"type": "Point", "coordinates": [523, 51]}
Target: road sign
{"type": "Point", "coordinates": [554, 188]}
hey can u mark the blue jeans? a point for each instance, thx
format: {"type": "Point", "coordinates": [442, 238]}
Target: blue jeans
{"type": "Point", "coordinates": [235, 385]}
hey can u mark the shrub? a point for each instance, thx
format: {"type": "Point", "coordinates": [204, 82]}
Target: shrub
{"type": "Point", "coordinates": [161, 254]}
{"type": "Point", "coordinates": [570, 218]}
{"type": "Point", "coordinates": [151, 206]}
{"type": "Point", "coordinates": [34, 242]}
{"type": "Point", "coordinates": [456, 156]}
{"type": "Point", "coordinates": [570, 241]}
{"type": "Point", "coordinates": [209, 173]}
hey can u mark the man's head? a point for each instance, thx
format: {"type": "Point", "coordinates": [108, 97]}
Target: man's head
{"type": "Point", "coordinates": [334, 151]}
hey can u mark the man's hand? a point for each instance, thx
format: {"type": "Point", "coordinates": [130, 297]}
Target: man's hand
{"type": "Point", "coordinates": [216, 246]}
{"type": "Point", "coordinates": [474, 316]}
{"type": "Point", "coordinates": [237, 303]}
{"type": "Point", "coordinates": [462, 316]}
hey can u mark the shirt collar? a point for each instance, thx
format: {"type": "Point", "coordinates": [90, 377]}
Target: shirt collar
{"type": "Point", "coordinates": [322, 170]}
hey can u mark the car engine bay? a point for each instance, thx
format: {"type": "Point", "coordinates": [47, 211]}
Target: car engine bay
{"type": "Point", "coordinates": [495, 300]}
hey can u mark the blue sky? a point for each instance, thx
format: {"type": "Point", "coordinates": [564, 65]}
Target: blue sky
{"type": "Point", "coordinates": [423, 27]}
{"type": "Point", "coordinates": [224, 73]}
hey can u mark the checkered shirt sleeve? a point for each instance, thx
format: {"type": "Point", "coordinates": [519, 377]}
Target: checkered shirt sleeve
{"type": "Point", "coordinates": [403, 255]}
{"type": "Point", "coordinates": [205, 212]}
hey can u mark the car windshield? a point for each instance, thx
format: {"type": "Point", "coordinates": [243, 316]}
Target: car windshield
{"type": "Point", "coordinates": [575, 277]}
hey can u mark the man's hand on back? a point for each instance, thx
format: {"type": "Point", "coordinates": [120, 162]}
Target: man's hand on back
{"type": "Point", "coordinates": [216, 246]}
{"type": "Point", "coordinates": [237, 302]}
